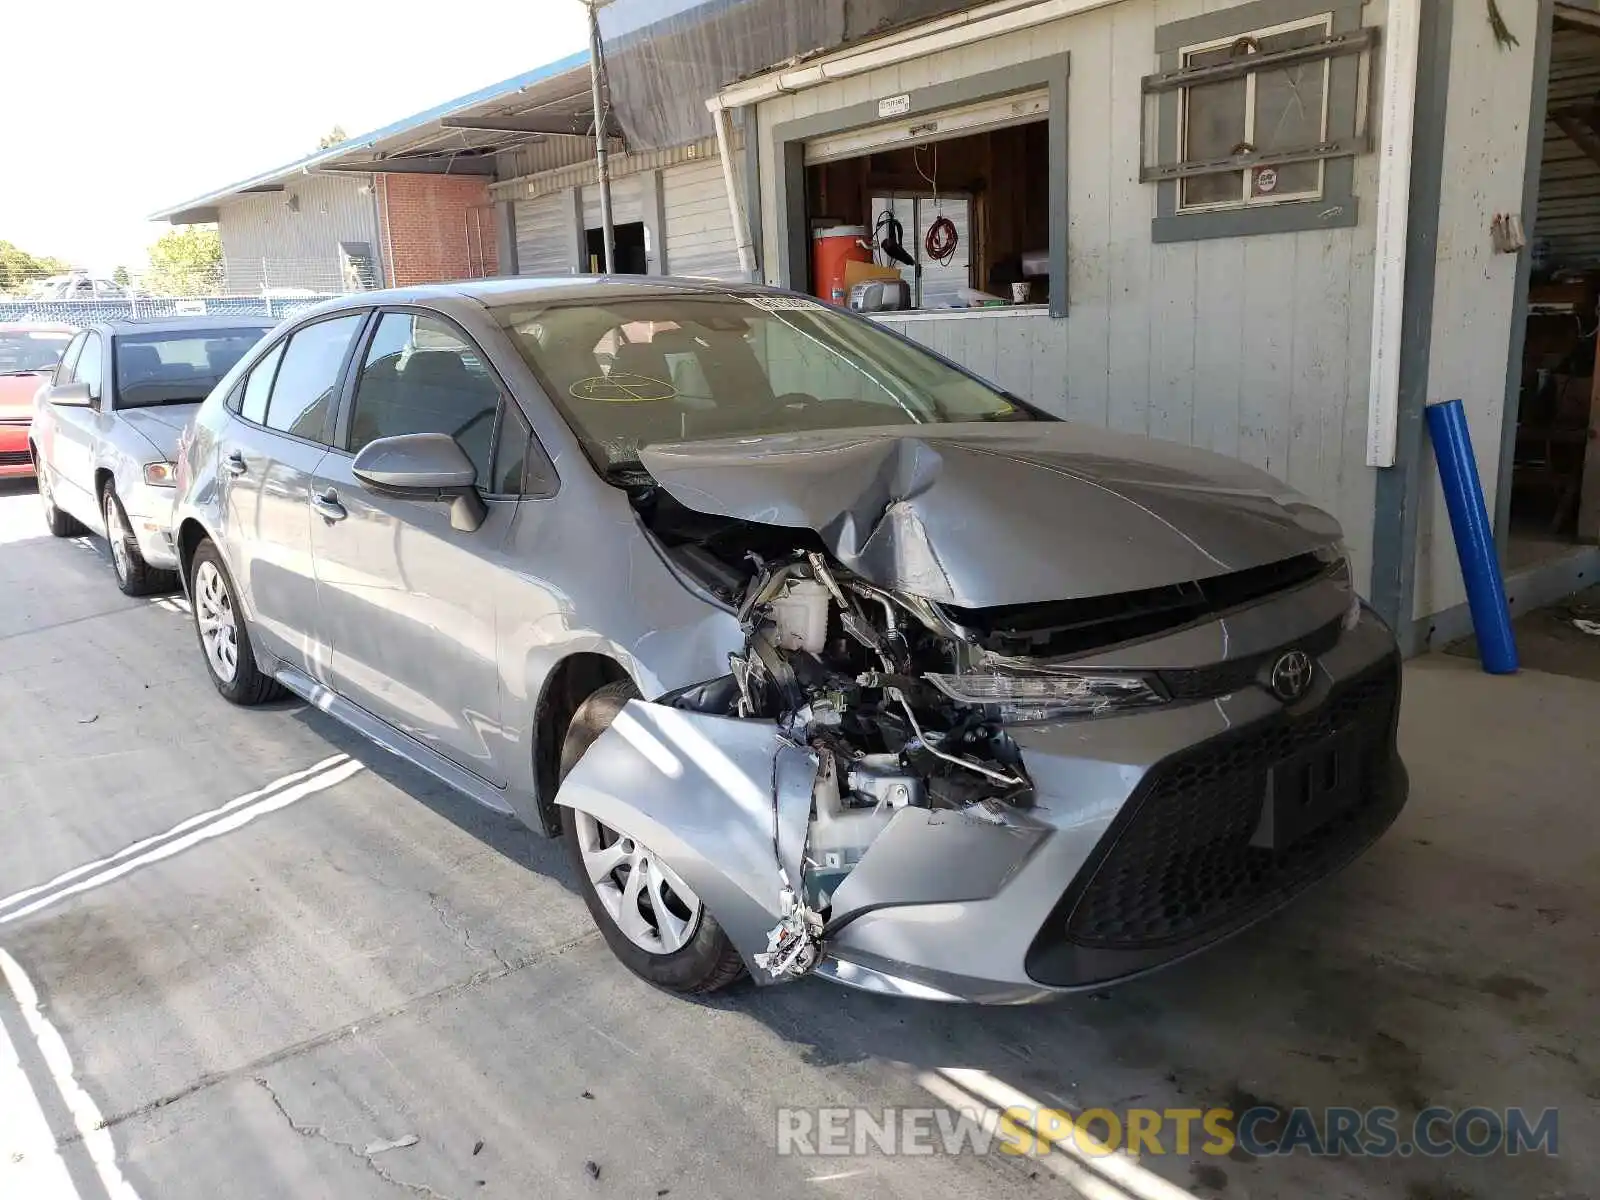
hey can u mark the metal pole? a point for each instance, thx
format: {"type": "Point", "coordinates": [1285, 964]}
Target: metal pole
{"type": "Point", "coordinates": [602, 168]}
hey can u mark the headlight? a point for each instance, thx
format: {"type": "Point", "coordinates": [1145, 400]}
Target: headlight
{"type": "Point", "coordinates": [1337, 556]}
{"type": "Point", "coordinates": [1040, 695]}
{"type": "Point", "coordinates": [162, 474]}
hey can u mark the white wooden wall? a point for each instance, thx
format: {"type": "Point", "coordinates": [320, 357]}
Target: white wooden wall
{"type": "Point", "coordinates": [1255, 347]}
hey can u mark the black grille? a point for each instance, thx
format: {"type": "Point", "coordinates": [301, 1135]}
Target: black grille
{"type": "Point", "coordinates": [1060, 627]}
{"type": "Point", "coordinates": [1178, 866]}
{"type": "Point", "coordinates": [1224, 678]}
{"type": "Point", "coordinates": [15, 458]}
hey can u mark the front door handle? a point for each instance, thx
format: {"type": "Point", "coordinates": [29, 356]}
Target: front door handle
{"type": "Point", "coordinates": [235, 463]}
{"type": "Point", "coordinates": [327, 504]}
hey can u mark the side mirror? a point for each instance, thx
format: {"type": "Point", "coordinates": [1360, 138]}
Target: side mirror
{"type": "Point", "coordinates": [424, 466]}
{"type": "Point", "coordinates": [71, 395]}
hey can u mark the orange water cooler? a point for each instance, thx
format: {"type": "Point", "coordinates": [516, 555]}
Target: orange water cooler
{"type": "Point", "coordinates": [831, 249]}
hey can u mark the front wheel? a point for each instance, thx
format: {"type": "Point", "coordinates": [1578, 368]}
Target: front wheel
{"type": "Point", "coordinates": [224, 637]}
{"type": "Point", "coordinates": [649, 916]}
{"type": "Point", "coordinates": [134, 576]}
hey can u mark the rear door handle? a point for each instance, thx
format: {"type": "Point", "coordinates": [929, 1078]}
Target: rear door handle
{"type": "Point", "coordinates": [235, 463]}
{"type": "Point", "coordinates": [327, 504]}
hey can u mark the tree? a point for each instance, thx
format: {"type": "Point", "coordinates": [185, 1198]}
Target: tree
{"type": "Point", "coordinates": [186, 262]}
{"type": "Point", "coordinates": [121, 277]}
{"type": "Point", "coordinates": [333, 137]}
{"type": "Point", "coordinates": [18, 268]}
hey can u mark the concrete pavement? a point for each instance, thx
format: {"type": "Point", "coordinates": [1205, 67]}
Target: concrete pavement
{"type": "Point", "coordinates": [246, 950]}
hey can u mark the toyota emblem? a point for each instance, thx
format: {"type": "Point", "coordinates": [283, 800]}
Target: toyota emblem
{"type": "Point", "coordinates": [1291, 676]}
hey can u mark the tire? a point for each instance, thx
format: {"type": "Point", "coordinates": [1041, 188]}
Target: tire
{"type": "Point", "coordinates": [212, 595]}
{"type": "Point", "coordinates": [134, 576]}
{"type": "Point", "coordinates": [61, 524]}
{"type": "Point", "coordinates": [706, 960]}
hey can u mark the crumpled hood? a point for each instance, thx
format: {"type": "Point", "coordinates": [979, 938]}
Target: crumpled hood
{"type": "Point", "coordinates": [160, 426]}
{"type": "Point", "coordinates": [979, 515]}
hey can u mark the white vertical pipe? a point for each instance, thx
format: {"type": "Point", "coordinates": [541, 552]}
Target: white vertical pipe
{"type": "Point", "coordinates": [1394, 210]}
{"type": "Point", "coordinates": [741, 225]}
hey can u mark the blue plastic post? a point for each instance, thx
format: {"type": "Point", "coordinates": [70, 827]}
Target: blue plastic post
{"type": "Point", "coordinates": [1469, 519]}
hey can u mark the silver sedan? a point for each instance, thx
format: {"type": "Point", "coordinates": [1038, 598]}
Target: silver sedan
{"type": "Point", "coordinates": [823, 655]}
{"type": "Point", "coordinates": [105, 431]}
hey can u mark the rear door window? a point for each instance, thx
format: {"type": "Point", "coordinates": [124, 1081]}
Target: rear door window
{"type": "Point", "coordinates": [308, 377]}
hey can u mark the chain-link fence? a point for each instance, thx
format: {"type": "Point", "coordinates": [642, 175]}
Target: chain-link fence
{"type": "Point", "coordinates": [270, 287]}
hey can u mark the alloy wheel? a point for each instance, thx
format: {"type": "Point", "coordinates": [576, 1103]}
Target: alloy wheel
{"type": "Point", "coordinates": [652, 906]}
{"type": "Point", "coordinates": [217, 621]}
{"type": "Point", "coordinates": [117, 534]}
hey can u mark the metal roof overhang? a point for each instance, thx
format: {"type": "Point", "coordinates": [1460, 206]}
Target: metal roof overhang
{"type": "Point", "coordinates": [460, 137]}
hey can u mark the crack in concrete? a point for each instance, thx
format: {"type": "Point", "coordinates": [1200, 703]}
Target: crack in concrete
{"type": "Point", "coordinates": [333, 1036]}
{"type": "Point", "coordinates": [459, 928]}
{"type": "Point", "coordinates": [317, 1133]}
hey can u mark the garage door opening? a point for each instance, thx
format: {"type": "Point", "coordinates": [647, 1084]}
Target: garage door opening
{"type": "Point", "coordinates": [1555, 469]}
{"type": "Point", "coordinates": [632, 257]}
{"type": "Point", "coordinates": [954, 206]}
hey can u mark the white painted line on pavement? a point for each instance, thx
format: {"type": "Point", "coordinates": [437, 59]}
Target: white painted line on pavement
{"type": "Point", "coordinates": [30, 1164]}
{"type": "Point", "coordinates": [228, 818]}
{"type": "Point", "coordinates": [85, 1114]}
{"type": "Point", "coordinates": [1098, 1172]}
{"type": "Point", "coordinates": [188, 823]}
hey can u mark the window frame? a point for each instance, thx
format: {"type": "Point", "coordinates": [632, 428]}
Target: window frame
{"type": "Point", "coordinates": [235, 401]}
{"type": "Point", "coordinates": [98, 392]}
{"type": "Point", "coordinates": [1322, 21]}
{"type": "Point", "coordinates": [785, 151]}
{"type": "Point", "coordinates": [1346, 100]}
{"type": "Point", "coordinates": [347, 400]}
{"type": "Point", "coordinates": [67, 368]}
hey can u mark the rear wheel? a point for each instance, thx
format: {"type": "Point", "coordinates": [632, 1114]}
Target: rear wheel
{"type": "Point", "coordinates": [224, 637]}
{"type": "Point", "coordinates": [134, 576]}
{"type": "Point", "coordinates": [61, 524]}
{"type": "Point", "coordinates": [651, 918]}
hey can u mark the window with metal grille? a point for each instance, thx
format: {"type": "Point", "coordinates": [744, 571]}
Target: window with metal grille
{"type": "Point", "coordinates": [1257, 114]}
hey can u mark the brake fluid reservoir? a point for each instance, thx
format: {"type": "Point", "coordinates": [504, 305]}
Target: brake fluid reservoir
{"type": "Point", "coordinates": [800, 615]}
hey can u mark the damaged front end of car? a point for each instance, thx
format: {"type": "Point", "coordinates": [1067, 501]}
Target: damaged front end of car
{"type": "Point", "coordinates": [992, 802]}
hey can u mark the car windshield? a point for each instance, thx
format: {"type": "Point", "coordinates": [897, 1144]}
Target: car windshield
{"type": "Point", "coordinates": [631, 373]}
{"type": "Point", "coordinates": [176, 368]}
{"type": "Point", "coordinates": [31, 350]}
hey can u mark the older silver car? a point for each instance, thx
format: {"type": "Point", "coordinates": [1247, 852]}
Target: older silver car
{"type": "Point", "coordinates": [823, 655]}
{"type": "Point", "coordinates": [105, 432]}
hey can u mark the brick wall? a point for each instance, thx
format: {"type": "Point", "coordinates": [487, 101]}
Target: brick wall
{"type": "Point", "coordinates": [436, 227]}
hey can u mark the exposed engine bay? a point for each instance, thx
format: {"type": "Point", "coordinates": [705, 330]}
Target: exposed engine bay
{"type": "Point", "coordinates": [899, 705]}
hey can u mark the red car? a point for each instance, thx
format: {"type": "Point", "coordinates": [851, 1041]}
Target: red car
{"type": "Point", "coordinates": [28, 356]}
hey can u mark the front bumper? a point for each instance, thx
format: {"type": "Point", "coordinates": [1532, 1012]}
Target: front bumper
{"type": "Point", "coordinates": [1144, 844]}
{"type": "Point", "coordinates": [1160, 864]}
{"type": "Point", "coordinates": [15, 460]}
{"type": "Point", "coordinates": [150, 511]}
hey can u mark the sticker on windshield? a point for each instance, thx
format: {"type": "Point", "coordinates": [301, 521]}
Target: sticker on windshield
{"type": "Point", "coordinates": [620, 387]}
{"type": "Point", "coordinates": [782, 303]}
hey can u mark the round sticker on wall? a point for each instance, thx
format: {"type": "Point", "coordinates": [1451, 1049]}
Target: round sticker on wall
{"type": "Point", "coordinates": [1266, 181]}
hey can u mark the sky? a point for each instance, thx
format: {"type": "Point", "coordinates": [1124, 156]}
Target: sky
{"type": "Point", "coordinates": [140, 106]}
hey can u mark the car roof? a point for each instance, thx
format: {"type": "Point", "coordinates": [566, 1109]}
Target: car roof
{"type": "Point", "coordinates": [534, 289]}
{"type": "Point", "coordinates": [183, 324]}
